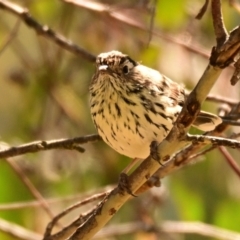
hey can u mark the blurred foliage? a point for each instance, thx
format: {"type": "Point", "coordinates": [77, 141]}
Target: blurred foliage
{"type": "Point", "coordinates": [44, 95]}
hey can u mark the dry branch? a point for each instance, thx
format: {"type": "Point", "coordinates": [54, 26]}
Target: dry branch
{"type": "Point", "coordinates": [170, 227]}
{"type": "Point", "coordinates": [70, 144]}
{"type": "Point", "coordinates": [222, 55]}
{"type": "Point", "coordinates": [17, 231]}
{"type": "Point", "coordinates": [106, 10]}
{"type": "Point", "coordinates": [45, 31]}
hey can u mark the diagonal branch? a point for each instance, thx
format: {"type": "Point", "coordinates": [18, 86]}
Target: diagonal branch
{"type": "Point", "coordinates": [72, 227]}
{"type": "Point", "coordinates": [10, 37]}
{"type": "Point", "coordinates": [17, 231]}
{"type": "Point", "coordinates": [105, 9]}
{"type": "Point", "coordinates": [222, 57]}
{"type": "Point", "coordinates": [218, 24]}
{"type": "Point", "coordinates": [199, 228]}
{"type": "Point", "coordinates": [30, 186]}
{"type": "Point", "coordinates": [230, 160]}
{"type": "Point", "coordinates": [45, 31]}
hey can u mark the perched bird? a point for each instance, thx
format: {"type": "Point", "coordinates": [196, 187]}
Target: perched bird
{"type": "Point", "coordinates": [132, 105]}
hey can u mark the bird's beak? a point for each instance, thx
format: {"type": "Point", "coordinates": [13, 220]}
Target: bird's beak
{"type": "Point", "coordinates": [103, 68]}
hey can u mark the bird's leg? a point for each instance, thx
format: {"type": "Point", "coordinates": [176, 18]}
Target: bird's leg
{"type": "Point", "coordinates": [124, 184]}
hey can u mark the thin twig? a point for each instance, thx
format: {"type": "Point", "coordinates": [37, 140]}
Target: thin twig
{"type": "Point", "coordinates": [201, 229]}
{"type": "Point", "coordinates": [221, 99]}
{"type": "Point", "coordinates": [215, 141]}
{"type": "Point", "coordinates": [198, 228]}
{"type": "Point", "coordinates": [183, 157]}
{"type": "Point", "coordinates": [236, 75]}
{"type": "Point", "coordinates": [153, 13]}
{"type": "Point", "coordinates": [218, 24]}
{"type": "Point", "coordinates": [222, 58]}
{"type": "Point", "coordinates": [71, 228]}
{"type": "Point", "coordinates": [105, 9]}
{"type": "Point", "coordinates": [71, 208]}
{"type": "Point", "coordinates": [33, 190]}
{"type": "Point", "coordinates": [50, 201]}
{"type": "Point", "coordinates": [203, 10]}
{"type": "Point", "coordinates": [45, 30]}
{"type": "Point", "coordinates": [232, 163]}
{"type": "Point", "coordinates": [10, 37]}
{"type": "Point", "coordinates": [235, 4]}
{"type": "Point", "coordinates": [70, 144]}
{"type": "Point", "coordinates": [17, 231]}
{"type": "Point", "coordinates": [202, 153]}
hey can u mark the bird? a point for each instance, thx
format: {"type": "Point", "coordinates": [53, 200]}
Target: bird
{"type": "Point", "coordinates": [133, 105]}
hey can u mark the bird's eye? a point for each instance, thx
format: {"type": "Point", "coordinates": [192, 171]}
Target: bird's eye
{"type": "Point", "coordinates": [125, 69]}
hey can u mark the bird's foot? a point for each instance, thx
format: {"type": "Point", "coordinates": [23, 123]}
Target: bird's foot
{"type": "Point", "coordinates": [124, 185]}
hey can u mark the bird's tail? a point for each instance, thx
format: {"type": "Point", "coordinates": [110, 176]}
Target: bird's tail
{"type": "Point", "coordinates": [206, 121]}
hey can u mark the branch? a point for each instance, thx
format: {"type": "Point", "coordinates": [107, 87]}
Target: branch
{"type": "Point", "coordinates": [112, 13]}
{"type": "Point", "coordinates": [186, 155]}
{"type": "Point", "coordinates": [221, 99]}
{"type": "Point", "coordinates": [222, 56]}
{"type": "Point", "coordinates": [70, 144]}
{"type": "Point", "coordinates": [54, 201]}
{"type": "Point", "coordinates": [45, 31]}
{"type": "Point", "coordinates": [215, 141]}
{"type": "Point", "coordinates": [201, 229]}
{"type": "Point", "coordinates": [169, 227]}
{"type": "Point", "coordinates": [30, 186]}
{"type": "Point", "coordinates": [235, 5]}
{"type": "Point", "coordinates": [72, 227]}
{"type": "Point", "coordinates": [218, 24]}
{"type": "Point", "coordinates": [17, 231]}
{"type": "Point", "coordinates": [236, 75]}
{"type": "Point", "coordinates": [203, 10]}
{"type": "Point", "coordinates": [232, 163]}
{"type": "Point", "coordinates": [10, 37]}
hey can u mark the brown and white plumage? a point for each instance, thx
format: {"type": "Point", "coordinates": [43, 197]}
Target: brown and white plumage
{"type": "Point", "coordinates": [133, 105]}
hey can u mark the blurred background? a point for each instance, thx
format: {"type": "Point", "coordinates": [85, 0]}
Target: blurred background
{"type": "Point", "coordinates": [44, 96]}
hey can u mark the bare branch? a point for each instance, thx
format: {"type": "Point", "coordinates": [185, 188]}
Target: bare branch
{"type": "Point", "coordinates": [222, 58]}
{"type": "Point", "coordinates": [10, 37]}
{"type": "Point", "coordinates": [51, 201]}
{"type": "Point", "coordinates": [236, 75]}
{"type": "Point", "coordinates": [201, 229]}
{"type": "Point", "coordinates": [224, 55]}
{"type": "Point", "coordinates": [232, 163]}
{"type": "Point", "coordinates": [203, 10]}
{"type": "Point", "coordinates": [17, 231]}
{"type": "Point", "coordinates": [33, 190]}
{"type": "Point", "coordinates": [186, 155]}
{"type": "Point", "coordinates": [71, 228]}
{"type": "Point", "coordinates": [153, 13]}
{"type": "Point", "coordinates": [221, 99]}
{"type": "Point", "coordinates": [215, 141]}
{"type": "Point", "coordinates": [104, 9]}
{"type": "Point", "coordinates": [202, 153]}
{"type": "Point", "coordinates": [169, 227]}
{"type": "Point", "coordinates": [235, 5]}
{"type": "Point", "coordinates": [70, 144]}
{"type": "Point", "coordinates": [166, 148]}
{"type": "Point", "coordinates": [65, 232]}
{"type": "Point", "coordinates": [45, 31]}
{"type": "Point", "coordinates": [218, 24]}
